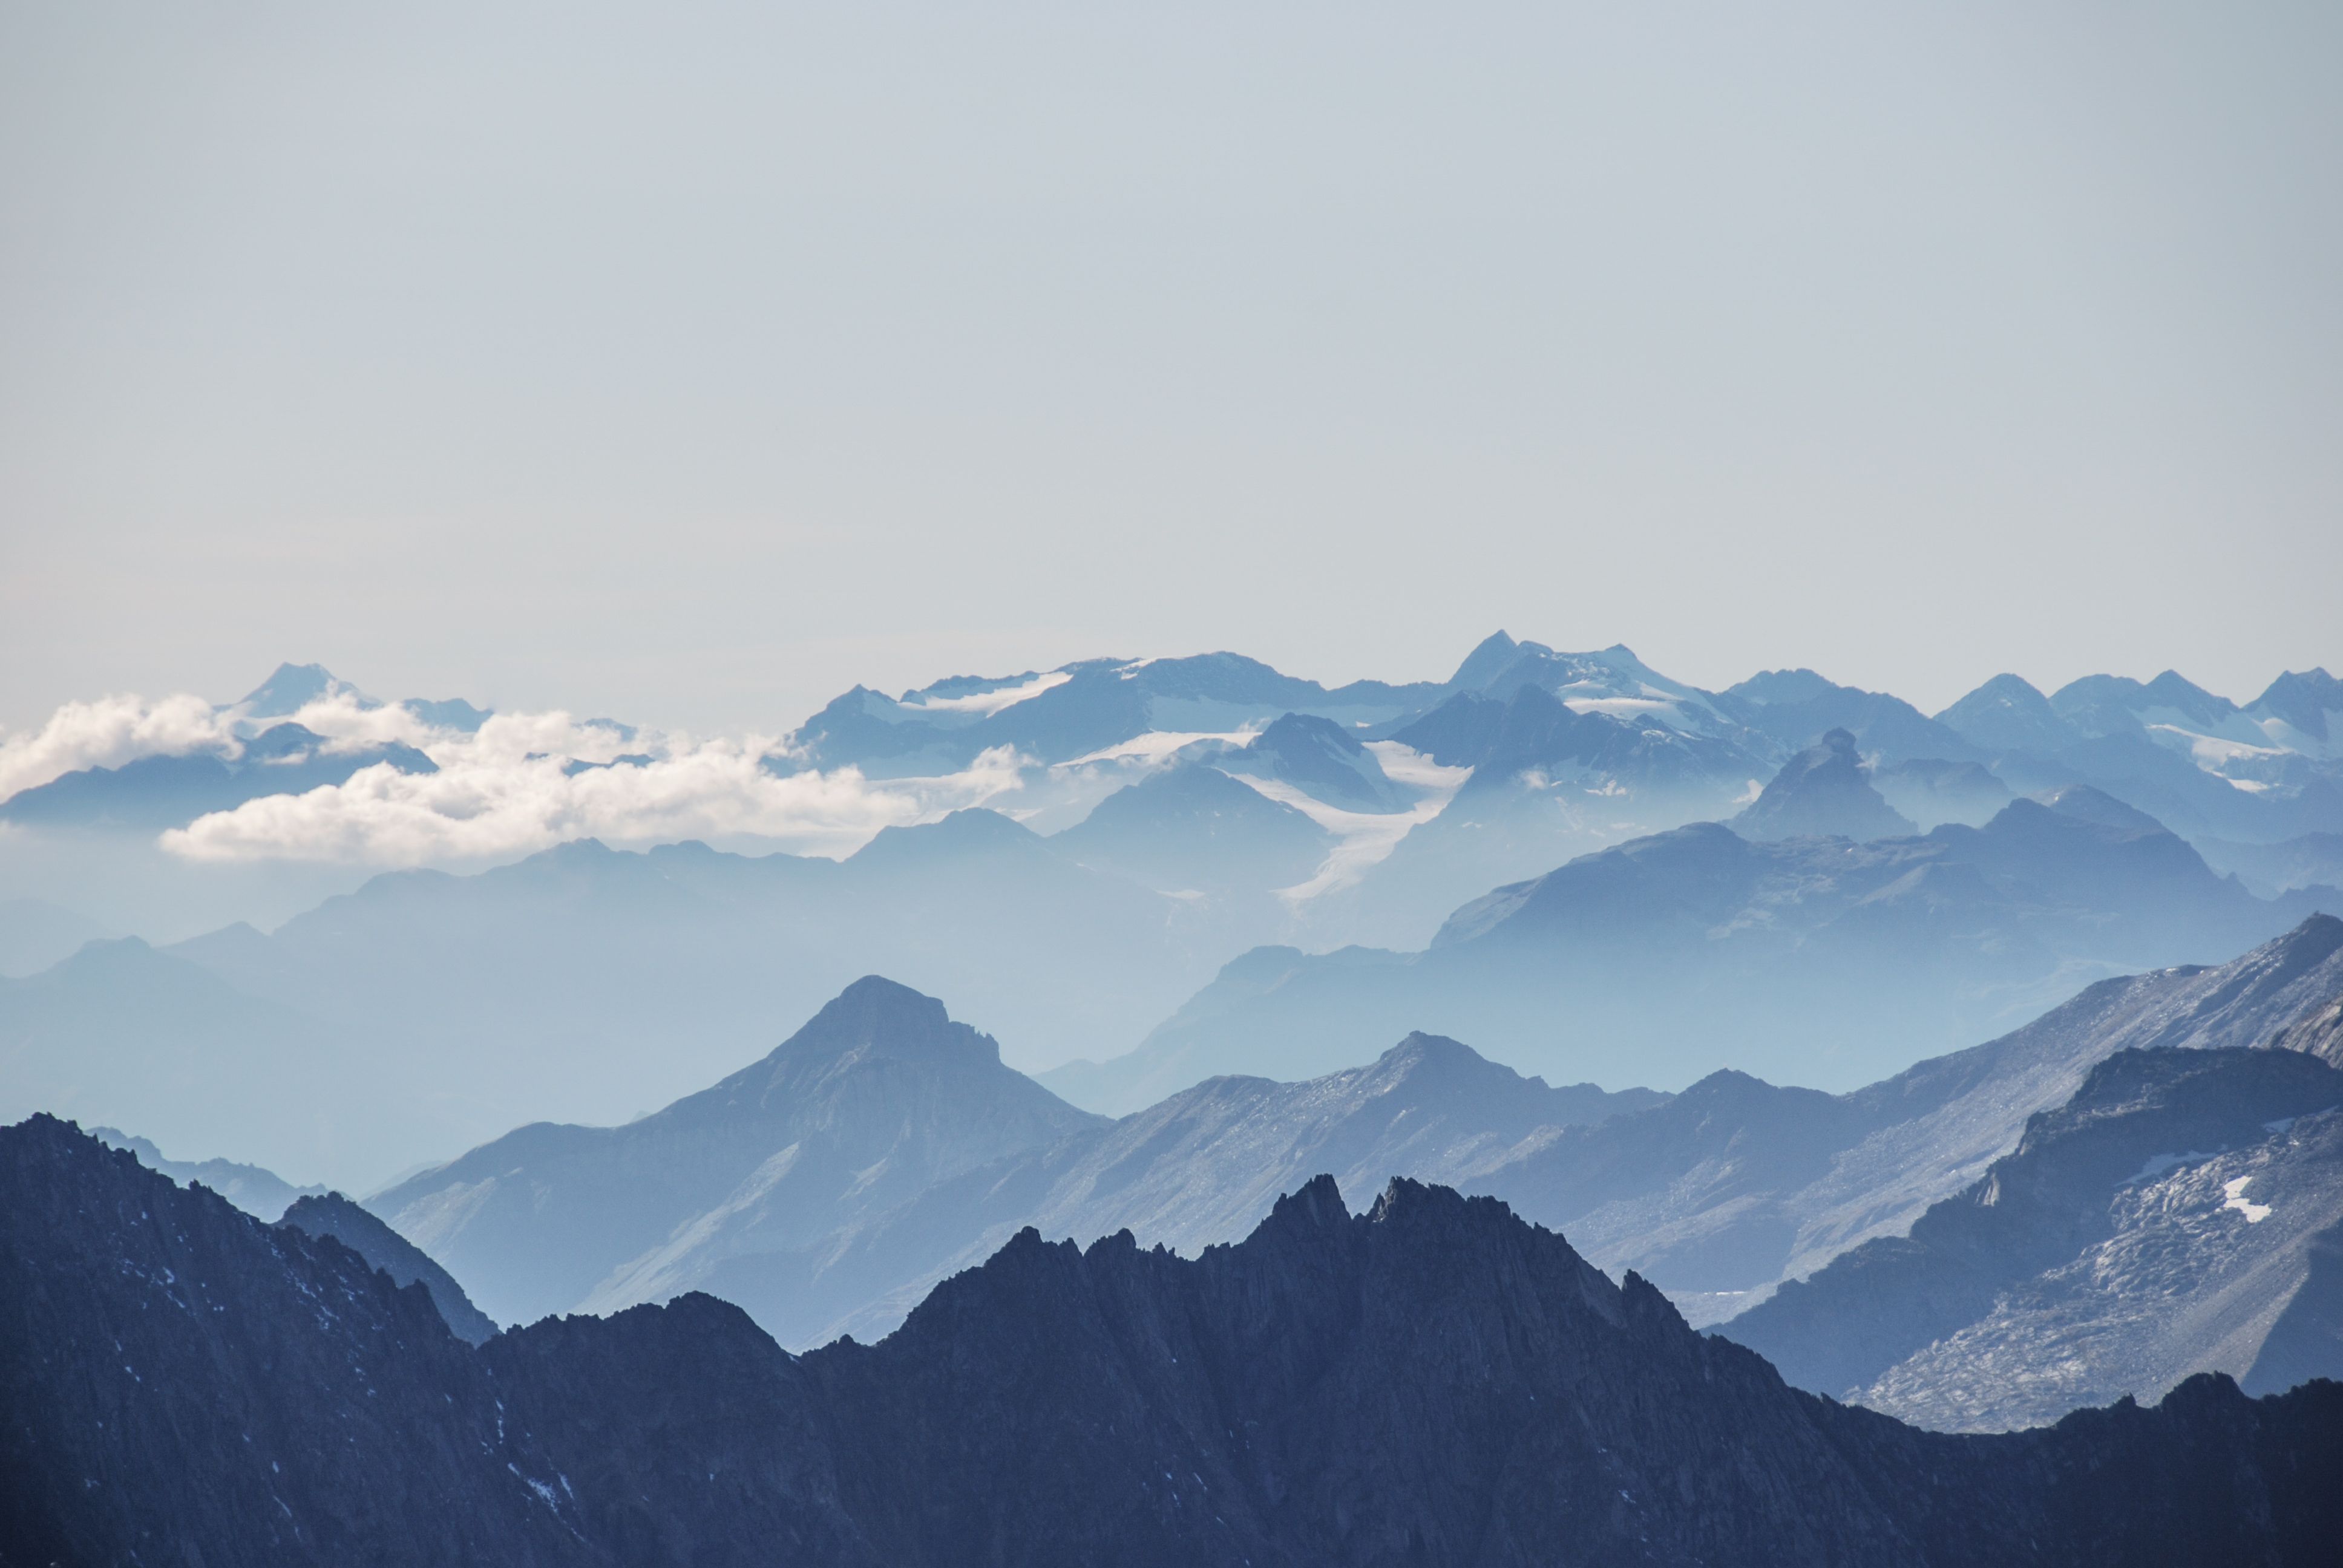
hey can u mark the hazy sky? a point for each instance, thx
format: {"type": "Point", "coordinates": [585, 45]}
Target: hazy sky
{"type": "Point", "coordinates": [692, 363]}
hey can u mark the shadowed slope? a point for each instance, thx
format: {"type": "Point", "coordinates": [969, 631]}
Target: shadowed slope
{"type": "Point", "coordinates": [1432, 1383]}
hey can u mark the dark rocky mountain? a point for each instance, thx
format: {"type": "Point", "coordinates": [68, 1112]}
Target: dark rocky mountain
{"type": "Point", "coordinates": [331, 1214]}
{"type": "Point", "coordinates": [1432, 1383]}
{"type": "Point", "coordinates": [157, 792]}
{"type": "Point", "coordinates": [1672, 956]}
{"type": "Point", "coordinates": [1737, 1184]}
{"type": "Point", "coordinates": [1822, 792]}
{"type": "Point", "coordinates": [1193, 828]}
{"type": "Point", "coordinates": [2178, 1215]}
{"type": "Point", "coordinates": [261, 1194]}
{"type": "Point", "coordinates": [878, 1098]}
{"type": "Point", "coordinates": [1201, 1169]}
{"type": "Point", "coordinates": [1322, 759]}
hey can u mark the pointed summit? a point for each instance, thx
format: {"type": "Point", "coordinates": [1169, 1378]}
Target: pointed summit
{"type": "Point", "coordinates": [2093, 805]}
{"type": "Point", "coordinates": [2009, 714]}
{"type": "Point", "coordinates": [1825, 791]}
{"type": "Point", "coordinates": [1317, 757]}
{"type": "Point", "coordinates": [878, 1097]}
{"type": "Point", "coordinates": [1481, 666]}
{"type": "Point", "coordinates": [292, 686]}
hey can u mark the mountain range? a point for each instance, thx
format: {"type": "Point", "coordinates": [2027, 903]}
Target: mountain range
{"type": "Point", "coordinates": [1717, 1195]}
{"type": "Point", "coordinates": [1432, 1382]}
{"type": "Point", "coordinates": [1589, 870]}
{"type": "Point", "coordinates": [1670, 956]}
{"type": "Point", "coordinates": [1737, 1184]}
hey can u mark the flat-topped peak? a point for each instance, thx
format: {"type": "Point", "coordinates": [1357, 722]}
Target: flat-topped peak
{"type": "Point", "coordinates": [885, 1017]}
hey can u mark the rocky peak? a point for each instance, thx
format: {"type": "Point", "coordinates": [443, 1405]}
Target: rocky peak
{"type": "Point", "coordinates": [2093, 805]}
{"type": "Point", "coordinates": [1481, 666]}
{"type": "Point", "coordinates": [877, 1017]}
{"type": "Point", "coordinates": [1825, 791]}
{"type": "Point", "coordinates": [1433, 1382]}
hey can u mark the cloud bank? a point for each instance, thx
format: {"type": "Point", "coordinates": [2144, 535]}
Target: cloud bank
{"type": "Point", "coordinates": [523, 782]}
{"type": "Point", "coordinates": [110, 731]}
{"type": "Point", "coordinates": [529, 781]}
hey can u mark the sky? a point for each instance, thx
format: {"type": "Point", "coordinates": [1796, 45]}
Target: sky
{"type": "Point", "coordinates": [692, 363]}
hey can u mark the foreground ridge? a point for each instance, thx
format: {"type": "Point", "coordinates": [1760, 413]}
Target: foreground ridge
{"type": "Point", "coordinates": [1434, 1382]}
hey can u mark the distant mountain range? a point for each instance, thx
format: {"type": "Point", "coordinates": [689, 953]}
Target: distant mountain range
{"type": "Point", "coordinates": [883, 1148]}
{"type": "Point", "coordinates": [259, 1192]}
{"type": "Point", "coordinates": [1670, 956]}
{"type": "Point", "coordinates": [1205, 843]}
{"type": "Point", "coordinates": [157, 792]}
{"type": "Point", "coordinates": [1737, 1184]}
{"type": "Point", "coordinates": [1568, 752]}
{"type": "Point", "coordinates": [1434, 1381]}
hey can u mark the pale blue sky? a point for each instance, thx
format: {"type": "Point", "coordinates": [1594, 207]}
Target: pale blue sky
{"type": "Point", "coordinates": [693, 363]}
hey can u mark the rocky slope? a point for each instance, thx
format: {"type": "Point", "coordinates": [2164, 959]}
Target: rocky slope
{"type": "Point", "coordinates": [1824, 791]}
{"type": "Point", "coordinates": [1431, 1382]}
{"type": "Point", "coordinates": [1201, 1168]}
{"type": "Point", "coordinates": [1737, 1184]}
{"type": "Point", "coordinates": [2169, 1220]}
{"type": "Point", "coordinates": [331, 1214]}
{"type": "Point", "coordinates": [878, 1097]}
{"type": "Point", "coordinates": [258, 1192]}
{"type": "Point", "coordinates": [1192, 829]}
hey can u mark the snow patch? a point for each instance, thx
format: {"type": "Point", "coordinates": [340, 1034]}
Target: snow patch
{"type": "Point", "coordinates": [2157, 1164]}
{"type": "Point", "coordinates": [2235, 1193]}
{"type": "Point", "coordinates": [1156, 745]}
{"type": "Point", "coordinates": [1363, 839]}
{"type": "Point", "coordinates": [986, 703]}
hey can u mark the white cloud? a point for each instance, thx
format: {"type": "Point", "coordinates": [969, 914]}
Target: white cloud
{"type": "Point", "coordinates": [350, 724]}
{"type": "Point", "coordinates": [510, 790]}
{"type": "Point", "coordinates": [107, 733]}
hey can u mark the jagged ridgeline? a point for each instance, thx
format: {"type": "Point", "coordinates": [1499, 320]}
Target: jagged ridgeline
{"type": "Point", "coordinates": [1434, 1382]}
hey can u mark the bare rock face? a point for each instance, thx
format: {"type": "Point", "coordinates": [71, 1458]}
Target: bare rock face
{"type": "Point", "coordinates": [2177, 1216]}
{"type": "Point", "coordinates": [331, 1214]}
{"type": "Point", "coordinates": [1430, 1382]}
{"type": "Point", "coordinates": [1735, 1185]}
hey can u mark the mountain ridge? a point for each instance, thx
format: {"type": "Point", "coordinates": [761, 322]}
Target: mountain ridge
{"type": "Point", "coordinates": [1106, 1403]}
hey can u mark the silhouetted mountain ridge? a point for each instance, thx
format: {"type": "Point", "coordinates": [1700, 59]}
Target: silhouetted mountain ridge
{"type": "Point", "coordinates": [1059, 1404]}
